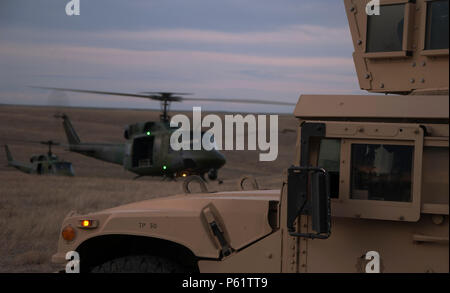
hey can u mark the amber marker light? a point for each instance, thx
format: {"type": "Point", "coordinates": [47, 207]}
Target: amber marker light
{"type": "Point", "coordinates": [88, 224]}
{"type": "Point", "coordinates": [68, 233]}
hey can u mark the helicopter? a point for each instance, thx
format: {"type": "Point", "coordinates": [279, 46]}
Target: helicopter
{"type": "Point", "coordinates": [147, 150]}
{"type": "Point", "coordinates": [44, 164]}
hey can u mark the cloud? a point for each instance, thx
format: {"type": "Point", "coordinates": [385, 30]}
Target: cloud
{"type": "Point", "coordinates": [177, 58]}
{"type": "Point", "coordinates": [296, 40]}
{"type": "Point", "coordinates": [208, 62]}
{"type": "Point", "coordinates": [306, 35]}
{"type": "Point", "coordinates": [229, 15]}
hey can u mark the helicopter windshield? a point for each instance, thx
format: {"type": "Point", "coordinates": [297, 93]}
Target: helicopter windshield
{"type": "Point", "coordinates": [65, 167]}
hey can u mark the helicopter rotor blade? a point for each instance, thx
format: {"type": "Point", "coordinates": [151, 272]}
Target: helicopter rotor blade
{"type": "Point", "coordinates": [168, 98]}
{"type": "Point", "coordinates": [171, 97]}
{"type": "Point", "coordinates": [97, 92]}
{"type": "Point", "coordinates": [10, 141]}
{"type": "Point", "coordinates": [48, 142]}
{"type": "Point", "coordinates": [241, 101]}
{"type": "Point", "coordinates": [167, 93]}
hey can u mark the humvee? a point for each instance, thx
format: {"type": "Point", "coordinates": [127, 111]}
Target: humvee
{"type": "Point", "coordinates": [367, 190]}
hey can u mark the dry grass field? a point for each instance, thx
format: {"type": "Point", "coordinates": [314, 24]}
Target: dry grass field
{"type": "Point", "coordinates": [32, 207]}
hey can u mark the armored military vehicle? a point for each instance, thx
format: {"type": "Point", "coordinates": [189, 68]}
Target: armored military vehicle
{"type": "Point", "coordinates": [367, 192]}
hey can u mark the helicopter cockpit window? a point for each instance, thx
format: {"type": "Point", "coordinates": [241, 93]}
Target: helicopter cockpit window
{"type": "Point", "coordinates": [437, 25]}
{"type": "Point", "coordinates": [381, 172]}
{"type": "Point", "coordinates": [385, 31]}
{"type": "Point", "coordinates": [63, 166]}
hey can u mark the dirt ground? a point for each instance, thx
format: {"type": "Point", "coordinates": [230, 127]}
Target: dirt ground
{"type": "Point", "coordinates": [32, 207]}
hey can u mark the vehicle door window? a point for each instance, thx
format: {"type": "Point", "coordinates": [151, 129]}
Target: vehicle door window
{"type": "Point", "coordinates": [437, 25]}
{"type": "Point", "coordinates": [381, 172]}
{"type": "Point", "coordinates": [329, 159]}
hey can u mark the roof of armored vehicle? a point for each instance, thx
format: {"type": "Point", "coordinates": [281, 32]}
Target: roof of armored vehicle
{"type": "Point", "coordinates": [370, 106]}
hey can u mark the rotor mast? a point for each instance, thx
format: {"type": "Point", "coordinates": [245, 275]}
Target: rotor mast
{"type": "Point", "coordinates": [165, 105]}
{"type": "Point", "coordinates": [49, 143]}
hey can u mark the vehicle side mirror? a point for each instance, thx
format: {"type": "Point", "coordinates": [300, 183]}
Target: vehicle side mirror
{"type": "Point", "coordinates": [309, 194]}
{"type": "Point", "coordinates": [320, 202]}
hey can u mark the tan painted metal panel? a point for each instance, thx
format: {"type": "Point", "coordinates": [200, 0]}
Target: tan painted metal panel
{"type": "Point", "coordinates": [399, 244]}
{"type": "Point", "coordinates": [368, 106]}
{"type": "Point", "coordinates": [242, 215]}
{"type": "Point", "coordinates": [262, 257]}
{"type": "Point", "coordinates": [413, 68]}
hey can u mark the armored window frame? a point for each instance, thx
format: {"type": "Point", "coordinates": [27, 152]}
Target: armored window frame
{"type": "Point", "coordinates": [376, 133]}
{"type": "Point", "coordinates": [423, 34]}
{"type": "Point", "coordinates": [408, 30]}
{"type": "Point", "coordinates": [325, 151]}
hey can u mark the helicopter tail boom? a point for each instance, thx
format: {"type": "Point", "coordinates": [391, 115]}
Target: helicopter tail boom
{"type": "Point", "coordinates": [18, 165]}
{"type": "Point", "coordinates": [71, 134]}
{"type": "Point", "coordinates": [8, 155]}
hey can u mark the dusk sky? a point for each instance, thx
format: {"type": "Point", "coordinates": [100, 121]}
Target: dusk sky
{"type": "Point", "coordinates": [243, 49]}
